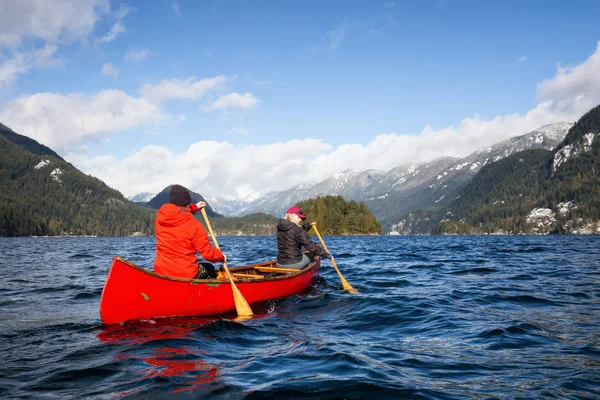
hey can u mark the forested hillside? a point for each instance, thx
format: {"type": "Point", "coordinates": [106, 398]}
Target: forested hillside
{"type": "Point", "coordinates": [42, 194]}
{"type": "Point", "coordinates": [536, 191]}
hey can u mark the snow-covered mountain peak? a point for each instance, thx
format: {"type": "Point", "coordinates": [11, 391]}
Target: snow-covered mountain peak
{"type": "Point", "coordinates": [304, 185]}
{"type": "Point", "coordinates": [555, 131]}
{"type": "Point", "coordinates": [143, 197]}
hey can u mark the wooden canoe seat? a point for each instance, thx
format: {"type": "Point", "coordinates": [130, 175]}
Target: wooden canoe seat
{"type": "Point", "coordinates": [277, 269]}
{"type": "Point", "coordinates": [246, 276]}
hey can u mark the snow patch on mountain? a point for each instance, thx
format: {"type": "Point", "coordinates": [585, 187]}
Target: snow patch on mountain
{"type": "Point", "coordinates": [114, 202]}
{"type": "Point", "coordinates": [546, 137]}
{"type": "Point", "coordinates": [556, 132]}
{"type": "Point", "coordinates": [42, 164]}
{"type": "Point", "coordinates": [573, 150]}
{"type": "Point", "coordinates": [55, 174]}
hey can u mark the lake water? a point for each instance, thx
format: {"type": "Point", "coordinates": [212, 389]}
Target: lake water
{"type": "Point", "coordinates": [461, 317]}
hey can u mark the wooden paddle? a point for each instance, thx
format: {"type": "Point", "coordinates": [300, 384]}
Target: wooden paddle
{"type": "Point", "coordinates": [241, 305]}
{"type": "Point", "coordinates": [345, 284]}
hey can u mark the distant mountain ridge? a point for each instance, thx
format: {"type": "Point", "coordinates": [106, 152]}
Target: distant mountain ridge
{"type": "Point", "coordinates": [443, 189]}
{"type": "Point", "coordinates": [534, 191]}
{"type": "Point", "coordinates": [351, 184]}
{"type": "Point", "coordinates": [143, 197]}
{"type": "Point", "coordinates": [405, 188]}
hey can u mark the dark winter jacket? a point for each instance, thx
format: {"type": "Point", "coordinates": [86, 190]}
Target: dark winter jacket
{"type": "Point", "coordinates": [290, 239]}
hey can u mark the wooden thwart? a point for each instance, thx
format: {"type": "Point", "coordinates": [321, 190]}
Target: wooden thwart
{"type": "Point", "coordinates": [276, 269]}
{"type": "Point", "coordinates": [244, 276]}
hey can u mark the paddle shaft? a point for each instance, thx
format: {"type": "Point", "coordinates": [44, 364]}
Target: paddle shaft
{"type": "Point", "coordinates": [241, 305]}
{"type": "Point", "coordinates": [345, 284]}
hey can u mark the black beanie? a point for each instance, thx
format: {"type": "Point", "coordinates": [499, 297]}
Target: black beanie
{"type": "Point", "coordinates": [179, 196]}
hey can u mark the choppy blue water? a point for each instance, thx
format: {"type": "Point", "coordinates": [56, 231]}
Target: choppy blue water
{"type": "Point", "coordinates": [436, 318]}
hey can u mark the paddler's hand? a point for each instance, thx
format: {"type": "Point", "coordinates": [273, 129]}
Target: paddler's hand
{"type": "Point", "coordinates": [221, 273]}
{"type": "Point", "coordinates": [201, 205]}
{"type": "Point", "coordinates": [307, 227]}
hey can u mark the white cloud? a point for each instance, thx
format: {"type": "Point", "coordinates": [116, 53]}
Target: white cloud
{"type": "Point", "coordinates": [122, 11]}
{"type": "Point", "coordinates": [176, 8]}
{"type": "Point", "coordinates": [152, 166]}
{"type": "Point", "coordinates": [112, 34]}
{"type": "Point", "coordinates": [521, 59]}
{"type": "Point", "coordinates": [234, 101]}
{"type": "Point", "coordinates": [334, 37]}
{"type": "Point", "coordinates": [31, 30]}
{"type": "Point", "coordinates": [574, 88]}
{"type": "Point", "coordinates": [22, 62]}
{"type": "Point", "coordinates": [59, 121]}
{"type": "Point", "coordinates": [110, 70]}
{"type": "Point", "coordinates": [190, 88]}
{"type": "Point", "coordinates": [135, 55]}
{"type": "Point", "coordinates": [51, 21]}
{"type": "Point", "coordinates": [118, 27]}
{"type": "Point", "coordinates": [251, 170]}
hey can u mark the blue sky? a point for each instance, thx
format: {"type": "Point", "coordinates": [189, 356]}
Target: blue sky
{"type": "Point", "coordinates": [135, 92]}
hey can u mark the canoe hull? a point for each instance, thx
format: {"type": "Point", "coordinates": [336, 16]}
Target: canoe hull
{"type": "Point", "coordinates": [132, 292]}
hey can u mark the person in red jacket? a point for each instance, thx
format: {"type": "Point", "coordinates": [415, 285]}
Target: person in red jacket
{"type": "Point", "coordinates": [179, 236]}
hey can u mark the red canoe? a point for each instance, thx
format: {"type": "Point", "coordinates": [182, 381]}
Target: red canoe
{"type": "Point", "coordinates": [132, 292]}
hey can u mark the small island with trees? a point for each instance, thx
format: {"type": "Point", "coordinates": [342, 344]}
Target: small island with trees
{"type": "Point", "coordinates": [336, 216]}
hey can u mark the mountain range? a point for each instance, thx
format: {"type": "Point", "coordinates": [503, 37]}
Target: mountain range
{"type": "Point", "coordinates": [540, 182]}
{"type": "Point", "coordinates": [393, 194]}
{"type": "Point", "coordinates": [533, 191]}
{"type": "Point", "coordinates": [441, 190]}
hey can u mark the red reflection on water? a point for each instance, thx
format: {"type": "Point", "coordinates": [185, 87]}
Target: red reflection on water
{"type": "Point", "coordinates": [167, 362]}
{"type": "Point", "coordinates": [170, 362]}
{"type": "Point", "coordinates": [137, 332]}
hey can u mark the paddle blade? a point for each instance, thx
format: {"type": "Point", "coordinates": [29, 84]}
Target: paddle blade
{"type": "Point", "coordinates": [241, 305]}
{"type": "Point", "coordinates": [345, 285]}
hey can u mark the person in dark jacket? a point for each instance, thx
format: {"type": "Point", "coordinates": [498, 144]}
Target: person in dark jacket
{"type": "Point", "coordinates": [291, 237]}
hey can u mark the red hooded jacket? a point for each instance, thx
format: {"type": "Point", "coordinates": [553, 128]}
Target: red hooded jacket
{"type": "Point", "coordinates": [178, 237]}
